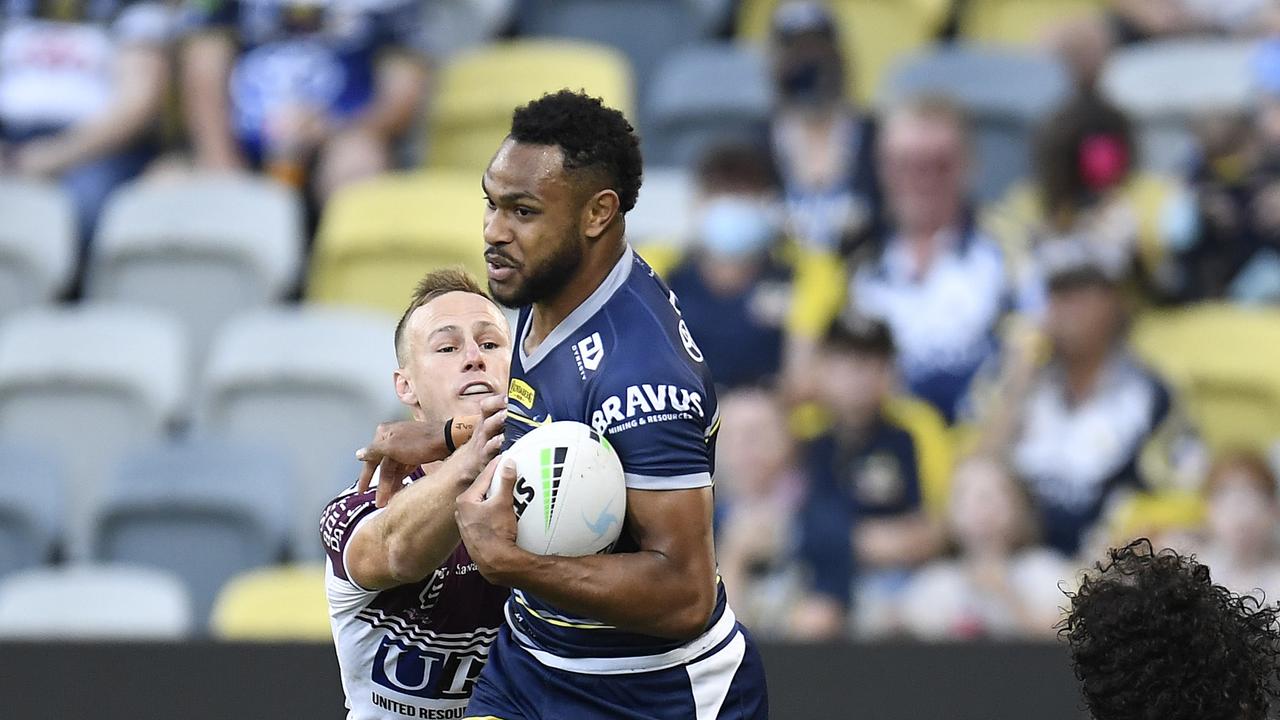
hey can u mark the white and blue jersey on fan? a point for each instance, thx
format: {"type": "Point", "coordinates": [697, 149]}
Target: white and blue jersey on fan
{"type": "Point", "coordinates": [624, 363]}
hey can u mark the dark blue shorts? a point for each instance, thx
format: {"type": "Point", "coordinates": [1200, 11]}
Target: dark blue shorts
{"type": "Point", "coordinates": [725, 683]}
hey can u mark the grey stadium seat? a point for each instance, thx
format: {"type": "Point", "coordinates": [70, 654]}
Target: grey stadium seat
{"type": "Point", "coordinates": [664, 212]}
{"type": "Point", "coordinates": [94, 602]}
{"type": "Point", "coordinates": [37, 242]}
{"type": "Point", "coordinates": [1163, 85]}
{"type": "Point", "coordinates": [32, 505]}
{"type": "Point", "coordinates": [314, 380]}
{"type": "Point", "coordinates": [646, 31]}
{"type": "Point", "coordinates": [87, 383]}
{"type": "Point", "coordinates": [704, 94]}
{"type": "Point", "coordinates": [201, 509]}
{"type": "Point", "coordinates": [1006, 92]}
{"type": "Point", "coordinates": [204, 247]}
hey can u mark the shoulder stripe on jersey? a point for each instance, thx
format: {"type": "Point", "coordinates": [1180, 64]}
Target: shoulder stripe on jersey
{"type": "Point", "coordinates": [637, 481]}
{"type": "Point", "coordinates": [525, 419]}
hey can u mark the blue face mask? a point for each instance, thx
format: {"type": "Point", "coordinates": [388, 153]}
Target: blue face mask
{"type": "Point", "coordinates": [736, 227]}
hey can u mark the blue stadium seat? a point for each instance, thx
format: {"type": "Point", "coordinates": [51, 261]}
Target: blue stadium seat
{"type": "Point", "coordinates": [37, 243]}
{"type": "Point", "coordinates": [87, 383]}
{"type": "Point", "coordinates": [1006, 93]}
{"type": "Point", "coordinates": [32, 504]}
{"type": "Point", "coordinates": [703, 94]}
{"type": "Point", "coordinates": [314, 381]}
{"type": "Point", "coordinates": [94, 602]}
{"type": "Point", "coordinates": [203, 509]}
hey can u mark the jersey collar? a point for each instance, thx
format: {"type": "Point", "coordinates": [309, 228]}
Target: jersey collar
{"type": "Point", "coordinates": [616, 278]}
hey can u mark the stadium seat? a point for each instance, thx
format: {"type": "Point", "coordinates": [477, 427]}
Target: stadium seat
{"type": "Point", "coordinates": [663, 214]}
{"type": "Point", "coordinates": [873, 33]}
{"type": "Point", "coordinates": [479, 89]}
{"type": "Point", "coordinates": [87, 383]}
{"type": "Point", "coordinates": [273, 604]}
{"type": "Point", "coordinates": [94, 602]}
{"type": "Point", "coordinates": [312, 381]}
{"type": "Point", "coordinates": [378, 238]}
{"type": "Point", "coordinates": [1162, 85]}
{"type": "Point", "coordinates": [1018, 22]}
{"type": "Point", "coordinates": [202, 509]}
{"type": "Point", "coordinates": [1226, 362]}
{"type": "Point", "coordinates": [204, 247]}
{"type": "Point", "coordinates": [37, 243]}
{"type": "Point", "coordinates": [1003, 112]}
{"type": "Point", "coordinates": [645, 31]}
{"type": "Point", "coordinates": [32, 503]}
{"type": "Point", "coordinates": [703, 94]}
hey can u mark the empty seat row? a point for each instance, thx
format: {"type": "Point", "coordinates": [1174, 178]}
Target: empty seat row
{"type": "Point", "coordinates": [88, 383]}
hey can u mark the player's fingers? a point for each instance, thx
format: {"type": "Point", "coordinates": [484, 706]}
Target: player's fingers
{"type": "Point", "coordinates": [491, 405]}
{"type": "Point", "coordinates": [494, 446]}
{"type": "Point", "coordinates": [366, 474]}
{"type": "Point", "coordinates": [390, 480]}
{"type": "Point", "coordinates": [476, 491]}
{"type": "Point", "coordinates": [505, 482]}
{"type": "Point", "coordinates": [494, 424]}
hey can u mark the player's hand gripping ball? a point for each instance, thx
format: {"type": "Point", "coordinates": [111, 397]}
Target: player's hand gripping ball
{"type": "Point", "coordinates": [570, 496]}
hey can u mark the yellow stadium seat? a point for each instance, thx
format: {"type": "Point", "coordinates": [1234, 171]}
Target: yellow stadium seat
{"type": "Point", "coordinates": [873, 33]}
{"type": "Point", "coordinates": [280, 603]}
{"type": "Point", "coordinates": [479, 89]}
{"type": "Point", "coordinates": [1018, 22]}
{"type": "Point", "coordinates": [378, 238]}
{"type": "Point", "coordinates": [1226, 362]}
{"type": "Point", "coordinates": [1154, 514]}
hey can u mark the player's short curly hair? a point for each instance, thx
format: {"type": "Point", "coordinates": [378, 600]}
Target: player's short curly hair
{"type": "Point", "coordinates": [592, 136]}
{"type": "Point", "coordinates": [1151, 636]}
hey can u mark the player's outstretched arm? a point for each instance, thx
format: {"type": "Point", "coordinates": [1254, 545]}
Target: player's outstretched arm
{"type": "Point", "coordinates": [416, 532]}
{"type": "Point", "coordinates": [666, 589]}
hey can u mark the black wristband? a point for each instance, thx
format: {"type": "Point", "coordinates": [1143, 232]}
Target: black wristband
{"type": "Point", "coordinates": [448, 436]}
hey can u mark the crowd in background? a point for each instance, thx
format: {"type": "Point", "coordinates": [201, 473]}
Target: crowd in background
{"type": "Point", "coordinates": [931, 412]}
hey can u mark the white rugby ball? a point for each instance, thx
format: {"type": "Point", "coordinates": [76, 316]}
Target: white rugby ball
{"type": "Point", "coordinates": [570, 495]}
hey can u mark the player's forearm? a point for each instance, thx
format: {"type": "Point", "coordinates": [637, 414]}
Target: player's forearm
{"type": "Point", "coordinates": [418, 528]}
{"type": "Point", "coordinates": [206, 70]}
{"type": "Point", "coordinates": [644, 592]}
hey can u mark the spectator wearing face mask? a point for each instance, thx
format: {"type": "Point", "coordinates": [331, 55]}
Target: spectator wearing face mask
{"type": "Point", "coordinates": [1086, 188]}
{"type": "Point", "coordinates": [1080, 419]}
{"type": "Point", "coordinates": [998, 582]}
{"type": "Point", "coordinates": [735, 285]}
{"type": "Point", "coordinates": [822, 143]}
{"type": "Point", "coordinates": [316, 93]}
{"type": "Point", "coordinates": [81, 85]}
{"type": "Point", "coordinates": [866, 523]}
{"type": "Point", "coordinates": [1243, 512]}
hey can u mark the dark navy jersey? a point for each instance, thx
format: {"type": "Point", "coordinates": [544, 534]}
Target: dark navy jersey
{"type": "Point", "coordinates": [625, 363]}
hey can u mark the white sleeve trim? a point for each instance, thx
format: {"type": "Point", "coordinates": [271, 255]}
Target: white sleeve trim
{"type": "Point", "coordinates": [351, 535]}
{"type": "Point", "coordinates": [636, 481]}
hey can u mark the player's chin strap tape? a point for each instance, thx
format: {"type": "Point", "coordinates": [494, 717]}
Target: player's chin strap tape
{"type": "Point", "coordinates": [448, 436]}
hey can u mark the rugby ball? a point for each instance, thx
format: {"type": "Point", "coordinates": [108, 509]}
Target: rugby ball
{"type": "Point", "coordinates": [570, 495]}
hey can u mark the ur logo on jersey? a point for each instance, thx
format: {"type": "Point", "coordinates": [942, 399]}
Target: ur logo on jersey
{"type": "Point", "coordinates": [646, 404]}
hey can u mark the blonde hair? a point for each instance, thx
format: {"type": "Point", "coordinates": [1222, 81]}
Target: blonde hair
{"type": "Point", "coordinates": [431, 286]}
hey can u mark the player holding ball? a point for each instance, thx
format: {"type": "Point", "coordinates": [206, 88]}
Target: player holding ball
{"type": "Point", "coordinates": [642, 631]}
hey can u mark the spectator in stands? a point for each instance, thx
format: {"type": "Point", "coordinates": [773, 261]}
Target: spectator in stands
{"type": "Point", "coordinates": [939, 282]}
{"type": "Point", "coordinates": [865, 502]}
{"type": "Point", "coordinates": [1086, 189]}
{"type": "Point", "coordinates": [81, 85]}
{"type": "Point", "coordinates": [822, 143]}
{"type": "Point", "coordinates": [758, 491]}
{"type": "Point", "coordinates": [1235, 251]}
{"type": "Point", "coordinates": [735, 286]}
{"type": "Point", "coordinates": [315, 93]}
{"type": "Point", "coordinates": [1090, 422]}
{"type": "Point", "coordinates": [999, 583]}
{"type": "Point", "coordinates": [1243, 513]}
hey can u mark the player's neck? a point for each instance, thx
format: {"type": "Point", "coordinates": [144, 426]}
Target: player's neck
{"type": "Point", "coordinates": [590, 275]}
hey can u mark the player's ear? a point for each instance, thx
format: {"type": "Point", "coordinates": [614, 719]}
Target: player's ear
{"type": "Point", "coordinates": [404, 389]}
{"type": "Point", "coordinates": [599, 213]}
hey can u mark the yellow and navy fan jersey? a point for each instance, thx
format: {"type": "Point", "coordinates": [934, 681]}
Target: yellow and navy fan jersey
{"type": "Point", "coordinates": [624, 363]}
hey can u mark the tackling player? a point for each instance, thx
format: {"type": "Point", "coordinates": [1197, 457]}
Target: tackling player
{"type": "Point", "coordinates": [643, 632]}
{"type": "Point", "coordinates": [412, 619]}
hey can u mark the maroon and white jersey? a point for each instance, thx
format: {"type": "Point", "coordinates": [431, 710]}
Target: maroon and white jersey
{"type": "Point", "coordinates": [413, 650]}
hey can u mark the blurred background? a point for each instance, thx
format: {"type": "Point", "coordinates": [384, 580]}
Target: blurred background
{"type": "Point", "coordinates": [988, 285]}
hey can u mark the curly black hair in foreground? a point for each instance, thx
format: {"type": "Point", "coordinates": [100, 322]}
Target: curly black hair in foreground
{"type": "Point", "coordinates": [591, 135]}
{"type": "Point", "coordinates": [1152, 638]}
